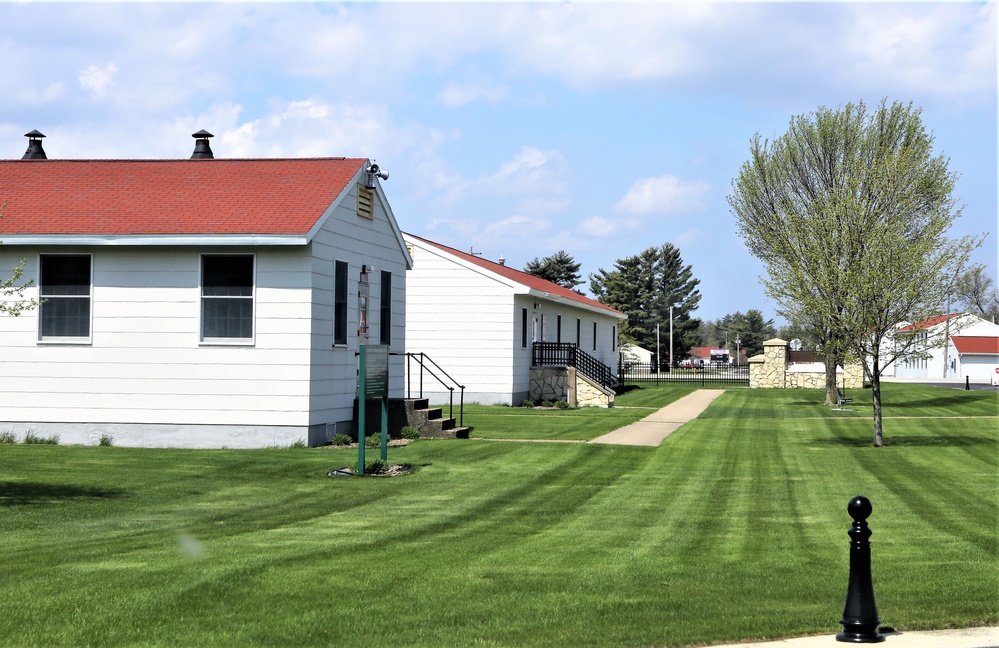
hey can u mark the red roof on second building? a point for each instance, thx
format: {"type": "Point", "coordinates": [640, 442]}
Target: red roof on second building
{"type": "Point", "coordinates": [529, 280]}
{"type": "Point", "coordinates": [170, 197]}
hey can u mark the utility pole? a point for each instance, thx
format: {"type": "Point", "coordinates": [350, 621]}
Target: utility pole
{"type": "Point", "coordinates": [659, 358]}
{"type": "Point", "coordinates": [671, 338]}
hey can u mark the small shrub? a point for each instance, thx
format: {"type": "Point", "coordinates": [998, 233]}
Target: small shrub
{"type": "Point", "coordinates": [341, 440]}
{"type": "Point", "coordinates": [527, 403]}
{"type": "Point", "coordinates": [298, 444]}
{"type": "Point", "coordinates": [32, 438]}
{"type": "Point", "coordinates": [546, 403]}
{"type": "Point", "coordinates": [373, 441]}
{"type": "Point", "coordinates": [410, 432]}
{"type": "Point", "coordinates": [8, 437]}
{"type": "Point", "coordinates": [376, 467]}
{"type": "Point", "coordinates": [560, 404]}
{"type": "Point", "coordinates": [106, 440]}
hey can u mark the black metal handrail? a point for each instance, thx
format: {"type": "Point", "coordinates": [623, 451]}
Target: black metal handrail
{"type": "Point", "coordinates": [422, 359]}
{"type": "Point", "coordinates": [566, 354]}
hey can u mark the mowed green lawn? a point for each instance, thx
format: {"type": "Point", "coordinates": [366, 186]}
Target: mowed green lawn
{"type": "Point", "coordinates": [734, 528]}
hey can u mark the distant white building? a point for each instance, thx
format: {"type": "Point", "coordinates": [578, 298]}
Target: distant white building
{"type": "Point", "coordinates": [479, 319]}
{"type": "Point", "coordinates": [632, 353]}
{"type": "Point", "coordinates": [971, 349]}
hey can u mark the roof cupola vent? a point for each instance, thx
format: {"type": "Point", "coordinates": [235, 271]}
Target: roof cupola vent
{"type": "Point", "coordinates": [202, 150]}
{"type": "Point", "coordinates": [35, 150]}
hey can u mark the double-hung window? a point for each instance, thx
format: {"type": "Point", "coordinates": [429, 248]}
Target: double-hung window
{"type": "Point", "coordinates": [385, 309]}
{"type": "Point", "coordinates": [523, 328]}
{"type": "Point", "coordinates": [340, 303]}
{"type": "Point", "coordinates": [65, 292]}
{"type": "Point", "coordinates": [227, 297]}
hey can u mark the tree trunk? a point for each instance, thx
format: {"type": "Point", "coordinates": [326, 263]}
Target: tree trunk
{"type": "Point", "coordinates": [831, 380]}
{"type": "Point", "coordinates": [879, 441]}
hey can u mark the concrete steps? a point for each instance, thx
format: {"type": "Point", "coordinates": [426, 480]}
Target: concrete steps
{"type": "Point", "coordinates": [430, 421]}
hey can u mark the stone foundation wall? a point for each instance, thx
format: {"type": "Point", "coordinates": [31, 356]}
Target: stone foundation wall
{"type": "Point", "coordinates": [566, 384]}
{"type": "Point", "coordinates": [549, 384]}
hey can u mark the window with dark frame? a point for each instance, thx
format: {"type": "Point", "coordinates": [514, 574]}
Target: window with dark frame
{"type": "Point", "coordinates": [65, 293]}
{"type": "Point", "coordinates": [579, 339]}
{"type": "Point", "coordinates": [340, 269]}
{"type": "Point", "coordinates": [523, 328]}
{"type": "Point", "coordinates": [227, 297]}
{"type": "Point", "coordinates": [558, 329]}
{"type": "Point", "coordinates": [594, 336]}
{"type": "Point", "coordinates": [385, 309]}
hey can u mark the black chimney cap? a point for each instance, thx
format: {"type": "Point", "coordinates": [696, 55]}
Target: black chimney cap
{"type": "Point", "coordinates": [35, 150]}
{"type": "Point", "coordinates": [202, 150]}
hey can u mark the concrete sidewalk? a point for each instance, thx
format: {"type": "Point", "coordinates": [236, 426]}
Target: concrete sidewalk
{"type": "Point", "coordinates": [966, 638]}
{"type": "Point", "coordinates": [652, 429]}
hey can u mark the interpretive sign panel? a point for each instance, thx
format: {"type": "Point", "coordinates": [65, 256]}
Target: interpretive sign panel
{"type": "Point", "coordinates": [376, 371]}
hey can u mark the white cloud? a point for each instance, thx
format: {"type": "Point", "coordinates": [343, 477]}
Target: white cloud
{"type": "Point", "coordinates": [944, 49]}
{"type": "Point", "coordinates": [515, 227]}
{"type": "Point", "coordinates": [598, 226]}
{"type": "Point", "coordinates": [532, 174]}
{"type": "Point", "coordinates": [590, 45]}
{"type": "Point", "coordinates": [456, 95]}
{"type": "Point", "coordinates": [97, 80]}
{"type": "Point", "coordinates": [663, 195]}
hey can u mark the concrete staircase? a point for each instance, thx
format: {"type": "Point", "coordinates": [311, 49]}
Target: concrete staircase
{"type": "Point", "coordinates": [430, 421]}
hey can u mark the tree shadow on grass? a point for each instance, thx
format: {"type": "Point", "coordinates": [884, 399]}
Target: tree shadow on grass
{"type": "Point", "coordinates": [27, 493]}
{"type": "Point", "coordinates": [910, 441]}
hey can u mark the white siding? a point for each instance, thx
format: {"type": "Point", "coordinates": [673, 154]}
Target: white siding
{"type": "Point", "coordinates": [463, 320]}
{"type": "Point", "coordinates": [358, 241]}
{"type": "Point", "coordinates": [979, 368]}
{"type": "Point", "coordinates": [145, 362]}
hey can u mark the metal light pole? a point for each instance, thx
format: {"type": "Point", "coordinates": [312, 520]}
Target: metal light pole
{"type": "Point", "coordinates": [737, 342]}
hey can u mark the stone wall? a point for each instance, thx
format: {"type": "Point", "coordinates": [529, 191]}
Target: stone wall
{"type": "Point", "coordinates": [549, 384]}
{"type": "Point", "coordinates": [771, 369]}
{"type": "Point", "coordinates": [566, 384]}
{"type": "Point", "coordinates": [585, 393]}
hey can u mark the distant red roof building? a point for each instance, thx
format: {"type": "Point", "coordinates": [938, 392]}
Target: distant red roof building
{"type": "Point", "coordinates": [170, 197]}
{"type": "Point", "coordinates": [928, 323]}
{"type": "Point", "coordinates": [700, 352]}
{"type": "Point", "coordinates": [976, 344]}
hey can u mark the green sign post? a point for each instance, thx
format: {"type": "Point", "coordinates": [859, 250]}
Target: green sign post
{"type": "Point", "coordinates": [372, 382]}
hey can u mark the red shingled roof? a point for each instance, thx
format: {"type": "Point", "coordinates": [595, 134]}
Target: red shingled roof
{"type": "Point", "coordinates": [532, 282]}
{"type": "Point", "coordinates": [170, 197]}
{"type": "Point", "coordinates": [976, 344]}
{"type": "Point", "coordinates": [929, 322]}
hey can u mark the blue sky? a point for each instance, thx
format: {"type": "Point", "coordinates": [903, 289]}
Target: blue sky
{"type": "Point", "coordinates": [511, 129]}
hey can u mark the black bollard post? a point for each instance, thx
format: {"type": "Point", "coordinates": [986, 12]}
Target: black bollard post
{"type": "Point", "coordinates": [860, 615]}
{"type": "Point", "coordinates": [967, 383]}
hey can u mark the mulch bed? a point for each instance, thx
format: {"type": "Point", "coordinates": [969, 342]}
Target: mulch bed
{"type": "Point", "coordinates": [394, 470]}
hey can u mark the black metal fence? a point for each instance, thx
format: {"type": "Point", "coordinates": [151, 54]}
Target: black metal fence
{"type": "Point", "coordinates": [643, 373]}
{"type": "Point", "coordinates": [562, 354]}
